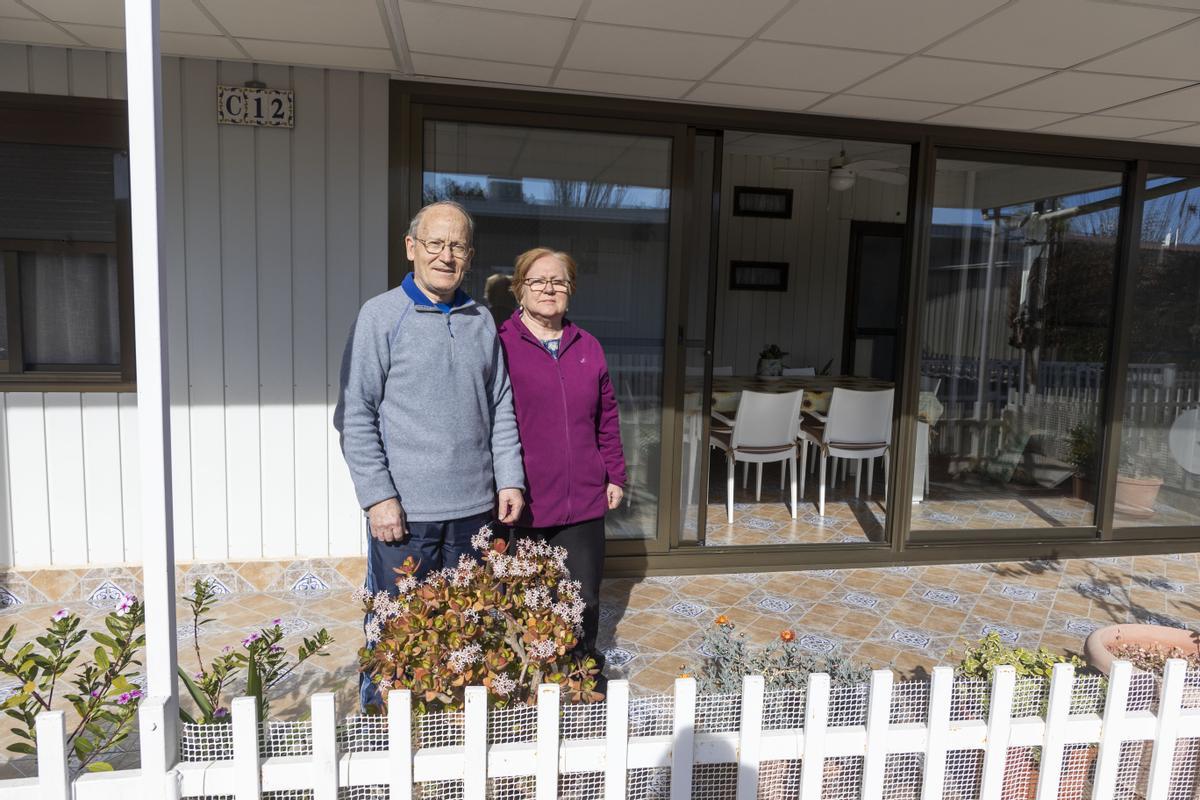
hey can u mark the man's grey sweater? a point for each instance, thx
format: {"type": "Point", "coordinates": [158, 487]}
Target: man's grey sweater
{"type": "Point", "coordinates": [425, 410]}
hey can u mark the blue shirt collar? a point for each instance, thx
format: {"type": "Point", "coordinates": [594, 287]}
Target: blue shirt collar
{"type": "Point", "coordinates": [418, 297]}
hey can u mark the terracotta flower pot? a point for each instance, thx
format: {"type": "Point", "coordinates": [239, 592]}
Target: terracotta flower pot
{"type": "Point", "coordinates": [1136, 496]}
{"type": "Point", "coordinates": [1096, 648]}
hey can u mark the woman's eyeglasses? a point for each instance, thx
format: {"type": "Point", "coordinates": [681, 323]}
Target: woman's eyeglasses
{"type": "Point", "coordinates": [540, 284]}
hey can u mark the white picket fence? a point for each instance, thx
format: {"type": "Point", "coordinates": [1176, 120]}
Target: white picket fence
{"type": "Point", "coordinates": [1135, 737]}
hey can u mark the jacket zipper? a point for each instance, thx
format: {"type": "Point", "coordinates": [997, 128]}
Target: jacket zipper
{"type": "Point", "coordinates": [566, 428]}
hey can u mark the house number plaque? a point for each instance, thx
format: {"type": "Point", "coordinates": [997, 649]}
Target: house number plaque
{"type": "Point", "coordinates": [244, 105]}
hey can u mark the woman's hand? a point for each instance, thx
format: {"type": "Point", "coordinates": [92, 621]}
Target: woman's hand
{"type": "Point", "coordinates": [615, 494]}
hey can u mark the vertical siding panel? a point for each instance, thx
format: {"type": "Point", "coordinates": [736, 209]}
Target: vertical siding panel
{"type": "Point", "coordinates": [27, 477]}
{"type": "Point", "coordinates": [64, 478]}
{"type": "Point", "coordinates": [102, 478]}
{"type": "Point", "coordinates": [177, 307]}
{"type": "Point", "coordinates": [14, 68]}
{"type": "Point", "coordinates": [48, 70]}
{"type": "Point", "coordinates": [131, 476]}
{"type": "Point", "coordinates": [239, 315]}
{"type": "Point", "coordinates": [202, 233]}
{"type": "Point", "coordinates": [89, 73]}
{"type": "Point", "coordinates": [7, 558]}
{"type": "Point", "coordinates": [342, 288]}
{"type": "Point", "coordinates": [308, 324]}
{"type": "Point", "coordinates": [274, 195]}
{"type": "Point", "coordinates": [116, 77]}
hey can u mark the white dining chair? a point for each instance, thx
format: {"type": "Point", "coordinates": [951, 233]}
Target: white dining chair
{"type": "Point", "coordinates": [805, 372]}
{"type": "Point", "coordinates": [763, 431]}
{"type": "Point", "coordinates": [857, 426]}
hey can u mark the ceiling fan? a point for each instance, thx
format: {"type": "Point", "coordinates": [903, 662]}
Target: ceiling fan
{"type": "Point", "coordinates": [843, 172]}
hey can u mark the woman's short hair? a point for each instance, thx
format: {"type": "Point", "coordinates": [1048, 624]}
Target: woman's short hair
{"type": "Point", "coordinates": [526, 260]}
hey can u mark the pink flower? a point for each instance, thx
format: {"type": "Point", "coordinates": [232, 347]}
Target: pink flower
{"type": "Point", "coordinates": [276, 621]}
{"type": "Point", "coordinates": [126, 604]}
{"type": "Point", "coordinates": [251, 639]}
{"type": "Point", "coordinates": [60, 615]}
{"type": "Point", "coordinates": [221, 712]}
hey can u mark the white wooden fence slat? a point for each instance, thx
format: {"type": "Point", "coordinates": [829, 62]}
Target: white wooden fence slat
{"type": "Point", "coordinates": [475, 744]}
{"type": "Point", "coordinates": [816, 720]}
{"type": "Point", "coordinates": [1062, 679]}
{"type": "Point", "coordinates": [547, 741]}
{"type": "Point", "coordinates": [940, 690]}
{"type": "Point", "coordinates": [400, 744]}
{"type": "Point", "coordinates": [1167, 733]}
{"type": "Point", "coordinates": [995, 756]}
{"type": "Point", "coordinates": [247, 779]}
{"type": "Point", "coordinates": [1108, 755]}
{"type": "Point", "coordinates": [683, 739]}
{"type": "Point", "coordinates": [156, 744]}
{"type": "Point", "coordinates": [879, 712]}
{"type": "Point", "coordinates": [53, 780]}
{"type": "Point", "coordinates": [616, 740]}
{"type": "Point", "coordinates": [750, 736]}
{"type": "Point", "coordinates": [324, 742]}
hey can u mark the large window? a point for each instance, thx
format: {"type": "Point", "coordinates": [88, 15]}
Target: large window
{"type": "Point", "coordinates": [1015, 338]}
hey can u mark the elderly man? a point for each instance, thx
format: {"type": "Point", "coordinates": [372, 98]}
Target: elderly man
{"type": "Point", "coordinates": [425, 411]}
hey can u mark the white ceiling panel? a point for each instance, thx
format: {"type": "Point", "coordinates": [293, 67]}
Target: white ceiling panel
{"type": "Point", "coordinates": [174, 15]}
{"type": "Point", "coordinates": [469, 69]}
{"type": "Point", "coordinates": [1056, 33]}
{"type": "Point", "coordinates": [1175, 54]}
{"type": "Point", "coordinates": [491, 35]}
{"type": "Point", "coordinates": [1013, 119]}
{"type": "Point", "coordinates": [28, 31]}
{"type": "Point", "coordinates": [1189, 135]}
{"type": "Point", "coordinates": [742, 18]}
{"type": "Point", "coordinates": [197, 46]}
{"type": "Point", "coordinates": [937, 80]}
{"type": "Point", "coordinates": [103, 37]}
{"type": "Point", "coordinates": [849, 105]}
{"type": "Point", "coordinates": [348, 22]}
{"type": "Point", "coordinates": [568, 9]}
{"type": "Point", "coordinates": [320, 55]}
{"type": "Point", "coordinates": [1082, 92]}
{"type": "Point", "coordinates": [799, 66]}
{"type": "Point", "coordinates": [1109, 127]}
{"type": "Point", "coordinates": [897, 27]}
{"type": "Point", "coordinates": [665, 54]}
{"type": "Point", "coordinates": [633, 85]}
{"type": "Point", "coordinates": [1183, 105]}
{"type": "Point", "coordinates": [754, 96]}
{"type": "Point", "coordinates": [10, 8]}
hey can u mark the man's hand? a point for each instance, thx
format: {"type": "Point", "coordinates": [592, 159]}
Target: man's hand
{"type": "Point", "coordinates": [615, 493]}
{"type": "Point", "coordinates": [387, 521]}
{"type": "Point", "coordinates": [511, 503]}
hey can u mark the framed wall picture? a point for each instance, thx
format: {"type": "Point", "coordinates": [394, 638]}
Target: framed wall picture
{"type": "Point", "coordinates": [758, 276]}
{"type": "Point", "coordinates": [760, 201]}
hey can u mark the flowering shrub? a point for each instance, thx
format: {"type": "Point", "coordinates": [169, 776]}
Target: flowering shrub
{"type": "Point", "coordinates": [104, 698]}
{"type": "Point", "coordinates": [507, 621]}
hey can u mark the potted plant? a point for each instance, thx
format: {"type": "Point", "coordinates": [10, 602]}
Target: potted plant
{"type": "Point", "coordinates": [1081, 453]}
{"type": "Point", "coordinates": [1137, 483]}
{"type": "Point", "coordinates": [770, 361]}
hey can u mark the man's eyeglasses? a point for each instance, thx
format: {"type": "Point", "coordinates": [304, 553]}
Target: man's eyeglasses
{"type": "Point", "coordinates": [436, 246]}
{"type": "Point", "coordinates": [540, 284]}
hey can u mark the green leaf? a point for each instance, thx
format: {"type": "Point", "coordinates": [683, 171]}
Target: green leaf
{"type": "Point", "coordinates": [21, 747]}
{"type": "Point", "coordinates": [198, 696]}
{"type": "Point", "coordinates": [107, 641]}
{"type": "Point", "coordinates": [83, 746]}
{"type": "Point", "coordinates": [101, 657]}
{"type": "Point", "coordinates": [100, 766]}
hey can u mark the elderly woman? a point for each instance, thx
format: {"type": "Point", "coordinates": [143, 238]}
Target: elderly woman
{"type": "Point", "coordinates": [567, 420]}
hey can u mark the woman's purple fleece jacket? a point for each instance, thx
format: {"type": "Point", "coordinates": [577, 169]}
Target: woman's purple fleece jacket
{"type": "Point", "coordinates": [568, 422]}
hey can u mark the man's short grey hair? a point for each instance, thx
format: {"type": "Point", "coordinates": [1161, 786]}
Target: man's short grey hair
{"type": "Point", "coordinates": [415, 224]}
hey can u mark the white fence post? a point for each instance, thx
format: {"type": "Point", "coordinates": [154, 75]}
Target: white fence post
{"type": "Point", "coordinates": [879, 712]}
{"type": "Point", "coordinates": [54, 781]}
{"type": "Point", "coordinates": [683, 739]}
{"type": "Point", "coordinates": [475, 736]}
{"type": "Point", "coordinates": [157, 750]}
{"type": "Point", "coordinates": [247, 774]}
{"type": "Point", "coordinates": [1169, 704]}
{"type": "Point", "coordinates": [400, 744]}
{"type": "Point", "coordinates": [995, 754]}
{"type": "Point", "coordinates": [547, 741]}
{"type": "Point", "coordinates": [750, 737]}
{"type": "Point", "coordinates": [940, 690]}
{"type": "Point", "coordinates": [1108, 755]}
{"type": "Point", "coordinates": [816, 720]}
{"type": "Point", "coordinates": [616, 740]}
{"type": "Point", "coordinates": [324, 742]}
{"type": "Point", "coordinates": [1062, 679]}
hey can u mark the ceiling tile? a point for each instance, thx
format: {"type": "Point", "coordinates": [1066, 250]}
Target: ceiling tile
{"type": "Point", "coordinates": [10, 8]}
{"type": "Point", "coordinates": [941, 81]}
{"type": "Point", "coordinates": [742, 18]}
{"type": "Point", "coordinates": [879, 107]}
{"type": "Point", "coordinates": [665, 54]}
{"type": "Point", "coordinates": [1189, 135]}
{"type": "Point", "coordinates": [1183, 105]}
{"type": "Point", "coordinates": [197, 46]}
{"type": "Point", "coordinates": [1082, 92]}
{"type": "Point", "coordinates": [898, 27]}
{"type": "Point", "coordinates": [491, 35]}
{"type": "Point", "coordinates": [1013, 119]}
{"type": "Point", "coordinates": [349, 22]}
{"type": "Point", "coordinates": [320, 55]}
{"type": "Point", "coordinates": [1056, 33]}
{"type": "Point", "coordinates": [469, 69]}
{"type": "Point", "coordinates": [1109, 127]}
{"type": "Point", "coordinates": [1173, 55]}
{"type": "Point", "coordinates": [568, 9]}
{"type": "Point", "coordinates": [174, 15]}
{"type": "Point", "coordinates": [104, 37]}
{"type": "Point", "coordinates": [754, 96]}
{"type": "Point", "coordinates": [28, 31]}
{"type": "Point", "coordinates": [633, 85]}
{"type": "Point", "coordinates": [799, 66]}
